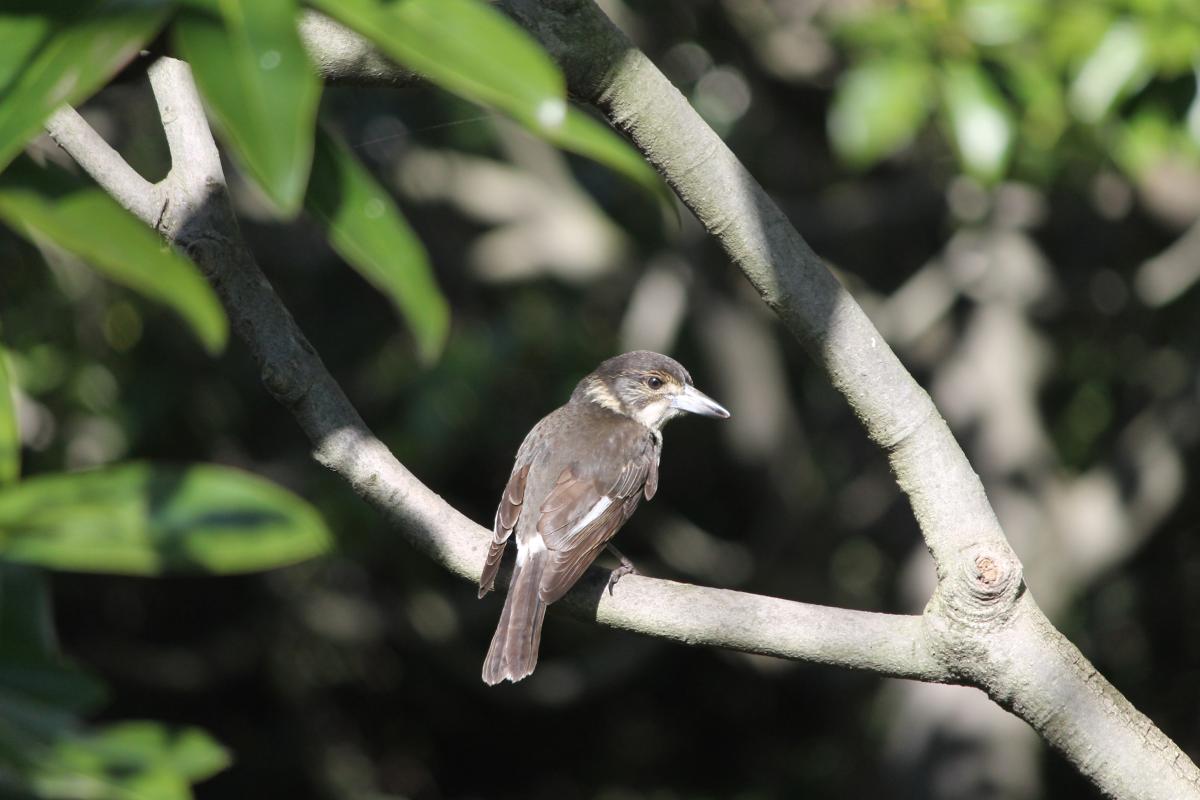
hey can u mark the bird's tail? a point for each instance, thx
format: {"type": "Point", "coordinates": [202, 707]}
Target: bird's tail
{"type": "Point", "coordinates": [514, 650]}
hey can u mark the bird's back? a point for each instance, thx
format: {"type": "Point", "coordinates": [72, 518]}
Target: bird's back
{"type": "Point", "coordinates": [591, 441]}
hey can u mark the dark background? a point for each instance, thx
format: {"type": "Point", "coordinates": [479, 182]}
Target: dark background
{"type": "Point", "coordinates": [1073, 389]}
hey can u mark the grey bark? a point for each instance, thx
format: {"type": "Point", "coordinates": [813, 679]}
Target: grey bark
{"type": "Point", "coordinates": [981, 627]}
{"type": "Point", "coordinates": [984, 624]}
{"type": "Point", "coordinates": [195, 215]}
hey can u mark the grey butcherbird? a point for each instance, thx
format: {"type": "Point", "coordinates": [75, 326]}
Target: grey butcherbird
{"type": "Point", "coordinates": [578, 477]}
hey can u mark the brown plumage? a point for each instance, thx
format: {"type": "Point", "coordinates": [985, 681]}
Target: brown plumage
{"type": "Point", "coordinates": [579, 475]}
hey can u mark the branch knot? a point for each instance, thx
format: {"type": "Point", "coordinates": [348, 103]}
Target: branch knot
{"type": "Point", "coordinates": [983, 588]}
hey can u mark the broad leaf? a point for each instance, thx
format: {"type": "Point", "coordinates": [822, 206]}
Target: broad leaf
{"type": "Point", "coordinates": [62, 51]}
{"type": "Point", "coordinates": [980, 121]}
{"type": "Point", "coordinates": [80, 218]}
{"type": "Point", "coordinates": [465, 47]}
{"type": "Point", "coordinates": [10, 437]}
{"type": "Point", "coordinates": [474, 51]}
{"type": "Point", "coordinates": [22, 34]}
{"type": "Point", "coordinates": [142, 519]}
{"type": "Point", "coordinates": [256, 79]}
{"type": "Point", "coordinates": [30, 663]}
{"type": "Point", "coordinates": [588, 137]}
{"type": "Point", "coordinates": [1119, 65]}
{"type": "Point", "coordinates": [878, 108]}
{"type": "Point", "coordinates": [123, 761]}
{"type": "Point", "coordinates": [368, 230]}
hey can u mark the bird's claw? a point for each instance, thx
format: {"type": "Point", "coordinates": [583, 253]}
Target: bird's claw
{"type": "Point", "coordinates": [626, 568]}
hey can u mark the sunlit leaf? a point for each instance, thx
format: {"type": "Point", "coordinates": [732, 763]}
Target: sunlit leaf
{"type": "Point", "coordinates": [1148, 138]}
{"type": "Point", "coordinates": [255, 77]}
{"type": "Point", "coordinates": [980, 122]}
{"type": "Point", "coordinates": [367, 229]}
{"type": "Point", "coordinates": [588, 137]}
{"type": "Point", "coordinates": [142, 519]}
{"type": "Point", "coordinates": [464, 46]}
{"type": "Point", "coordinates": [1118, 65]}
{"type": "Point", "coordinates": [64, 50]}
{"type": "Point", "coordinates": [1041, 97]}
{"type": "Point", "coordinates": [10, 436]}
{"type": "Point", "coordinates": [474, 51]}
{"type": "Point", "coordinates": [878, 108]}
{"type": "Point", "coordinates": [80, 218]}
{"type": "Point", "coordinates": [995, 22]}
{"type": "Point", "coordinates": [125, 761]}
{"type": "Point", "coordinates": [188, 752]}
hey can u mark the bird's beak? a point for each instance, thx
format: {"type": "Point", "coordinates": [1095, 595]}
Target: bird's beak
{"type": "Point", "coordinates": [695, 401]}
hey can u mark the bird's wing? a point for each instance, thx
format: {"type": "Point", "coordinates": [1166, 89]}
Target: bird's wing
{"type": "Point", "coordinates": [506, 519]}
{"type": "Point", "coordinates": [583, 512]}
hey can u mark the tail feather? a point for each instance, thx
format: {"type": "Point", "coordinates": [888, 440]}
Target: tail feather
{"type": "Point", "coordinates": [514, 649]}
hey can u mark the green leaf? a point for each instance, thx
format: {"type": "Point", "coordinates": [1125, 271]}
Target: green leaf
{"type": "Point", "coordinates": [1040, 95]}
{"type": "Point", "coordinates": [142, 519]}
{"type": "Point", "coordinates": [22, 34]}
{"type": "Point", "coordinates": [10, 435]}
{"type": "Point", "coordinates": [458, 44]}
{"type": "Point", "coordinates": [1116, 67]}
{"type": "Point", "coordinates": [30, 663]}
{"type": "Point", "coordinates": [1145, 140]}
{"type": "Point", "coordinates": [980, 122]}
{"type": "Point", "coordinates": [187, 752]}
{"type": "Point", "coordinates": [256, 79]}
{"type": "Point", "coordinates": [588, 137]}
{"type": "Point", "coordinates": [367, 229]}
{"type": "Point", "coordinates": [997, 22]}
{"type": "Point", "coordinates": [878, 107]}
{"type": "Point", "coordinates": [125, 761]}
{"type": "Point", "coordinates": [466, 47]}
{"type": "Point", "coordinates": [80, 218]}
{"type": "Point", "coordinates": [63, 52]}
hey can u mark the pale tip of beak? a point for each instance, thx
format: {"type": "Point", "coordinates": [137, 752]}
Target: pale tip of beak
{"type": "Point", "coordinates": [694, 401]}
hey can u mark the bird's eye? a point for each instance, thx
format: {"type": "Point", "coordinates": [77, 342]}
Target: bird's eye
{"type": "Point", "coordinates": [654, 382]}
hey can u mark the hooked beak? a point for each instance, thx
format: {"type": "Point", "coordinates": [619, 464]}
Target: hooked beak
{"type": "Point", "coordinates": [695, 401]}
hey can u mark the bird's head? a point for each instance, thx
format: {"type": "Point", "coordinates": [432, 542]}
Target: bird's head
{"type": "Point", "coordinates": [648, 387]}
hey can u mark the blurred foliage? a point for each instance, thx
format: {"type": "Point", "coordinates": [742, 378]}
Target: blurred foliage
{"type": "Point", "coordinates": [368, 231]}
{"type": "Point", "coordinates": [147, 518]}
{"type": "Point", "coordinates": [61, 51]}
{"type": "Point", "coordinates": [1015, 168]}
{"type": "Point", "coordinates": [1022, 85]}
{"type": "Point", "coordinates": [250, 65]}
{"type": "Point", "coordinates": [142, 519]}
{"type": "Point", "coordinates": [82, 219]}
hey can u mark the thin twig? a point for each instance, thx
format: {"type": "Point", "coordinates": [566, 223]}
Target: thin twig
{"type": "Point", "coordinates": [106, 166]}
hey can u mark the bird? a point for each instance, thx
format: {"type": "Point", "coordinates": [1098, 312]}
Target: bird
{"type": "Point", "coordinates": [577, 477]}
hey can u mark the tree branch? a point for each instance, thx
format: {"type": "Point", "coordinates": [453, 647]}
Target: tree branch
{"type": "Point", "coordinates": [341, 56]}
{"type": "Point", "coordinates": [984, 626]}
{"type": "Point", "coordinates": [198, 218]}
{"type": "Point", "coordinates": [106, 166]}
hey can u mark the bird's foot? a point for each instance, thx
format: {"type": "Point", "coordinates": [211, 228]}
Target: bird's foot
{"type": "Point", "coordinates": [626, 568]}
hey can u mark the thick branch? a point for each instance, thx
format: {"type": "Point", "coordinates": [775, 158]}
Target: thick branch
{"type": "Point", "coordinates": [981, 627]}
{"type": "Point", "coordinates": [984, 625]}
{"type": "Point", "coordinates": [197, 217]}
{"type": "Point", "coordinates": [341, 56]}
{"type": "Point", "coordinates": [604, 68]}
